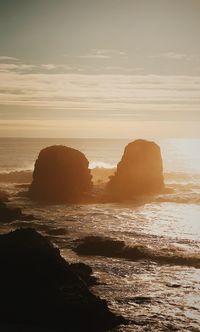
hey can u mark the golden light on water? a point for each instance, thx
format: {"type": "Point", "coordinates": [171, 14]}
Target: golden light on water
{"type": "Point", "coordinates": [90, 93]}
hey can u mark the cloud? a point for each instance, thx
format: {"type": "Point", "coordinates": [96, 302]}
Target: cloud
{"type": "Point", "coordinates": [50, 99]}
{"type": "Point", "coordinates": [175, 56]}
{"type": "Point", "coordinates": [54, 86]}
{"type": "Point", "coordinates": [9, 67]}
{"type": "Point", "coordinates": [119, 69]}
{"type": "Point", "coordinates": [51, 66]}
{"type": "Point", "coordinates": [8, 58]}
{"type": "Point", "coordinates": [25, 68]}
{"type": "Point", "coordinates": [102, 54]}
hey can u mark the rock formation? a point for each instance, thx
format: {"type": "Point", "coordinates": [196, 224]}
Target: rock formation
{"type": "Point", "coordinates": [9, 214]}
{"type": "Point", "coordinates": [3, 196]}
{"type": "Point", "coordinates": [61, 175]}
{"type": "Point", "coordinates": [39, 288]}
{"type": "Point", "coordinates": [109, 247]}
{"type": "Point", "coordinates": [140, 172]}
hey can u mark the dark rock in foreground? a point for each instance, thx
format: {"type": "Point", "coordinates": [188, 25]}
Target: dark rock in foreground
{"type": "Point", "coordinates": [61, 175]}
{"type": "Point", "coordinates": [108, 247]}
{"type": "Point", "coordinates": [85, 273]}
{"type": "Point", "coordinates": [39, 288]}
{"type": "Point", "coordinates": [140, 172]}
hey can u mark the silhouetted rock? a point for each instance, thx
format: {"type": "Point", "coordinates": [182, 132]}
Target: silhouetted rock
{"type": "Point", "coordinates": [38, 287]}
{"type": "Point", "coordinates": [140, 172]}
{"type": "Point", "coordinates": [84, 272]}
{"type": "Point", "coordinates": [108, 247]}
{"type": "Point", "coordinates": [99, 246]}
{"type": "Point", "coordinates": [3, 196]}
{"type": "Point", "coordinates": [61, 175]}
{"type": "Point", "coordinates": [10, 214]}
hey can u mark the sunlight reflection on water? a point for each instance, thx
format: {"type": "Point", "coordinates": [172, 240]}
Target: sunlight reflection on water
{"type": "Point", "coordinates": [152, 295]}
{"type": "Point", "coordinates": [156, 297]}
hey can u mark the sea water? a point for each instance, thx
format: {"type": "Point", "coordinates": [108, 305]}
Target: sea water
{"type": "Point", "coordinates": [153, 296]}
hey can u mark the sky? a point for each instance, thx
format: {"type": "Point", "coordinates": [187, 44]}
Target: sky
{"type": "Point", "coordinates": [99, 68]}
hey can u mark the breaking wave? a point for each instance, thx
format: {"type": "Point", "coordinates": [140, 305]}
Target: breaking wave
{"type": "Point", "coordinates": [181, 177]}
{"type": "Point", "coordinates": [180, 198]}
{"type": "Point", "coordinates": [101, 164]}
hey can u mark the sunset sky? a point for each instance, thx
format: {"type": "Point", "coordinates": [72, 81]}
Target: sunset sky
{"type": "Point", "coordinates": [100, 68]}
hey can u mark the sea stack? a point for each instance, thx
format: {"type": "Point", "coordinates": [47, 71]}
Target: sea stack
{"type": "Point", "coordinates": [140, 172]}
{"type": "Point", "coordinates": [61, 175]}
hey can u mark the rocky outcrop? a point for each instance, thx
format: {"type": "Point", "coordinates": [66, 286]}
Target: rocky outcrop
{"type": "Point", "coordinates": [99, 246]}
{"type": "Point", "coordinates": [38, 287]}
{"type": "Point", "coordinates": [61, 175]}
{"type": "Point", "coordinates": [9, 214]}
{"type": "Point", "coordinates": [85, 273]}
{"type": "Point", "coordinates": [140, 172]}
{"type": "Point", "coordinates": [108, 247]}
{"type": "Point", "coordinates": [3, 196]}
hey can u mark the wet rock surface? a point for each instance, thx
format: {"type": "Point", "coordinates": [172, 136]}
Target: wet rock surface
{"type": "Point", "coordinates": [108, 247]}
{"type": "Point", "coordinates": [85, 273]}
{"type": "Point", "coordinates": [140, 172]}
{"type": "Point", "coordinates": [9, 214]}
{"type": "Point", "coordinates": [39, 288]}
{"type": "Point", "coordinates": [4, 197]}
{"type": "Point", "coordinates": [61, 175]}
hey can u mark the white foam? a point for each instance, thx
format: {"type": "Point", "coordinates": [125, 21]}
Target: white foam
{"type": "Point", "coordinates": [100, 164]}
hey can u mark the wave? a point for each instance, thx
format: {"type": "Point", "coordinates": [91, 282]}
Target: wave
{"type": "Point", "coordinates": [182, 177]}
{"type": "Point", "coordinates": [180, 197]}
{"type": "Point", "coordinates": [101, 164]}
{"type": "Point", "coordinates": [101, 174]}
{"type": "Point", "coordinates": [108, 247]}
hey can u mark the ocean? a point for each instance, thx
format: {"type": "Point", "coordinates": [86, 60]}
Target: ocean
{"type": "Point", "coordinates": [153, 295]}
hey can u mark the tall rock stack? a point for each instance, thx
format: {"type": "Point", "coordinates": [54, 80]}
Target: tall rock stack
{"type": "Point", "coordinates": [61, 175]}
{"type": "Point", "coordinates": [140, 172]}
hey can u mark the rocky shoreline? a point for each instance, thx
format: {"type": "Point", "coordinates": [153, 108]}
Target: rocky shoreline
{"type": "Point", "coordinates": [39, 288]}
